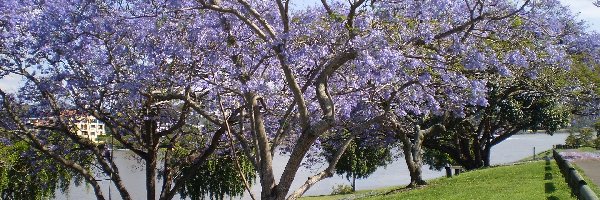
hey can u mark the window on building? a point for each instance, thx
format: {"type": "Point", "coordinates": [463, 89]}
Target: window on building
{"type": "Point", "coordinates": [100, 127]}
{"type": "Point", "coordinates": [84, 126]}
{"type": "Point", "coordinates": [92, 126]}
{"type": "Point", "coordinates": [84, 132]}
{"type": "Point", "coordinates": [93, 133]}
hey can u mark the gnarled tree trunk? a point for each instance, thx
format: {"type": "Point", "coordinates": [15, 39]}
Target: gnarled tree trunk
{"type": "Point", "coordinates": [413, 155]}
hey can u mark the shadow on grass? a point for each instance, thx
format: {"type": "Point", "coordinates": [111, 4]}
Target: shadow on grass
{"type": "Point", "coordinates": [549, 187]}
{"type": "Point", "coordinates": [553, 198]}
{"type": "Point", "coordinates": [548, 169]}
{"type": "Point", "coordinates": [548, 176]}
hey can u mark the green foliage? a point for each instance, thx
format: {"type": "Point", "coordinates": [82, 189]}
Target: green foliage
{"type": "Point", "coordinates": [341, 189]}
{"type": "Point", "coordinates": [106, 139]}
{"type": "Point", "coordinates": [337, 17]}
{"type": "Point", "coordinates": [580, 137]}
{"type": "Point", "coordinates": [515, 104]}
{"type": "Point", "coordinates": [584, 79]}
{"type": "Point", "coordinates": [25, 174]}
{"type": "Point", "coordinates": [596, 143]}
{"type": "Point", "coordinates": [217, 178]}
{"type": "Point", "coordinates": [571, 140]}
{"type": "Point", "coordinates": [517, 22]}
{"type": "Point", "coordinates": [531, 180]}
{"type": "Point", "coordinates": [359, 160]}
{"type": "Point", "coordinates": [587, 75]}
{"type": "Point", "coordinates": [531, 110]}
{"type": "Point", "coordinates": [436, 159]}
{"type": "Point", "coordinates": [597, 127]}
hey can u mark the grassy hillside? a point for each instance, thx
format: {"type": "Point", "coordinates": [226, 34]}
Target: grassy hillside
{"type": "Point", "coordinates": [533, 180]}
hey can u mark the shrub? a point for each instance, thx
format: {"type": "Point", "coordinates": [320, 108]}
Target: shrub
{"type": "Point", "coordinates": [597, 143]}
{"type": "Point", "coordinates": [341, 189]}
{"type": "Point", "coordinates": [571, 140]}
{"type": "Point", "coordinates": [583, 137]}
{"type": "Point", "coordinates": [597, 127]}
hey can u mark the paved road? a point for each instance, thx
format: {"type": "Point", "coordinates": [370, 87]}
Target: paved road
{"type": "Point", "coordinates": [588, 161]}
{"type": "Point", "coordinates": [591, 168]}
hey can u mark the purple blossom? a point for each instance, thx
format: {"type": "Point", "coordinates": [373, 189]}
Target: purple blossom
{"type": "Point", "coordinates": [5, 141]}
{"type": "Point", "coordinates": [503, 70]}
{"type": "Point", "coordinates": [110, 57]}
{"type": "Point", "coordinates": [517, 59]}
{"type": "Point", "coordinates": [425, 78]}
{"type": "Point", "coordinates": [475, 61]}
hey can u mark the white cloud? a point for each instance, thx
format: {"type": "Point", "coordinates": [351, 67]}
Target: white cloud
{"type": "Point", "coordinates": [586, 11]}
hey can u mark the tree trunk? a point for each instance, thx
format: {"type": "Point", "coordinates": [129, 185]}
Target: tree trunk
{"type": "Point", "coordinates": [151, 176]}
{"type": "Point", "coordinates": [477, 150]}
{"type": "Point", "coordinates": [486, 154]}
{"type": "Point", "coordinates": [151, 144]}
{"type": "Point", "coordinates": [353, 182]}
{"type": "Point", "coordinates": [413, 157]}
{"type": "Point", "coordinates": [167, 177]}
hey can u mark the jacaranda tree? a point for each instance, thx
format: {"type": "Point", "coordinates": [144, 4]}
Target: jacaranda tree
{"type": "Point", "coordinates": [264, 77]}
{"type": "Point", "coordinates": [456, 72]}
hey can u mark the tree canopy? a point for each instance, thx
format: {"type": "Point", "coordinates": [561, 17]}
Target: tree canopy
{"type": "Point", "coordinates": [262, 76]}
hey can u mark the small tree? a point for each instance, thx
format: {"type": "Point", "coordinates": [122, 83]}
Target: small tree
{"type": "Point", "coordinates": [218, 177]}
{"type": "Point", "coordinates": [597, 143]}
{"type": "Point", "coordinates": [360, 159]}
{"type": "Point", "coordinates": [585, 137]}
{"type": "Point", "coordinates": [581, 137]}
{"type": "Point", "coordinates": [27, 174]}
{"type": "Point", "coordinates": [571, 139]}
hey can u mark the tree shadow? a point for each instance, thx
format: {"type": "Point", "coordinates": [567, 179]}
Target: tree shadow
{"type": "Point", "coordinates": [548, 176]}
{"type": "Point", "coordinates": [553, 198]}
{"type": "Point", "coordinates": [549, 187]}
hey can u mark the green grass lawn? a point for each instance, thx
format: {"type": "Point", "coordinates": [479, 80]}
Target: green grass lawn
{"type": "Point", "coordinates": [533, 180]}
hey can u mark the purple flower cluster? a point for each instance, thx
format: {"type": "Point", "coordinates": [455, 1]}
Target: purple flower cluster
{"type": "Point", "coordinates": [311, 69]}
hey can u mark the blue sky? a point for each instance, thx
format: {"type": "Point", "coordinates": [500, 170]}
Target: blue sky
{"type": "Point", "coordinates": [584, 9]}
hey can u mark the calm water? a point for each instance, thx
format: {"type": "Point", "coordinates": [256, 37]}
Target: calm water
{"type": "Point", "coordinates": [513, 149]}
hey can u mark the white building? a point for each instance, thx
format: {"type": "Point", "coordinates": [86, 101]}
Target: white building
{"type": "Point", "coordinates": [85, 126]}
{"type": "Point", "coordinates": [89, 127]}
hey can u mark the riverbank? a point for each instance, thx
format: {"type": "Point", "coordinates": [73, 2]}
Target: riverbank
{"type": "Point", "coordinates": [529, 180]}
{"type": "Point", "coordinates": [511, 150]}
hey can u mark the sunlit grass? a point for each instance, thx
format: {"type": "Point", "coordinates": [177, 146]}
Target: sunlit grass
{"type": "Point", "coordinates": [532, 180]}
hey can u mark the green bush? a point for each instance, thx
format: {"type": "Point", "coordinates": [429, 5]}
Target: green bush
{"type": "Point", "coordinates": [597, 143]}
{"type": "Point", "coordinates": [341, 189]}
{"type": "Point", "coordinates": [571, 139]}
{"type": "Point", "coordinates": [583, 137]}
{"type": "Point", "coordinates": [597, 127]}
